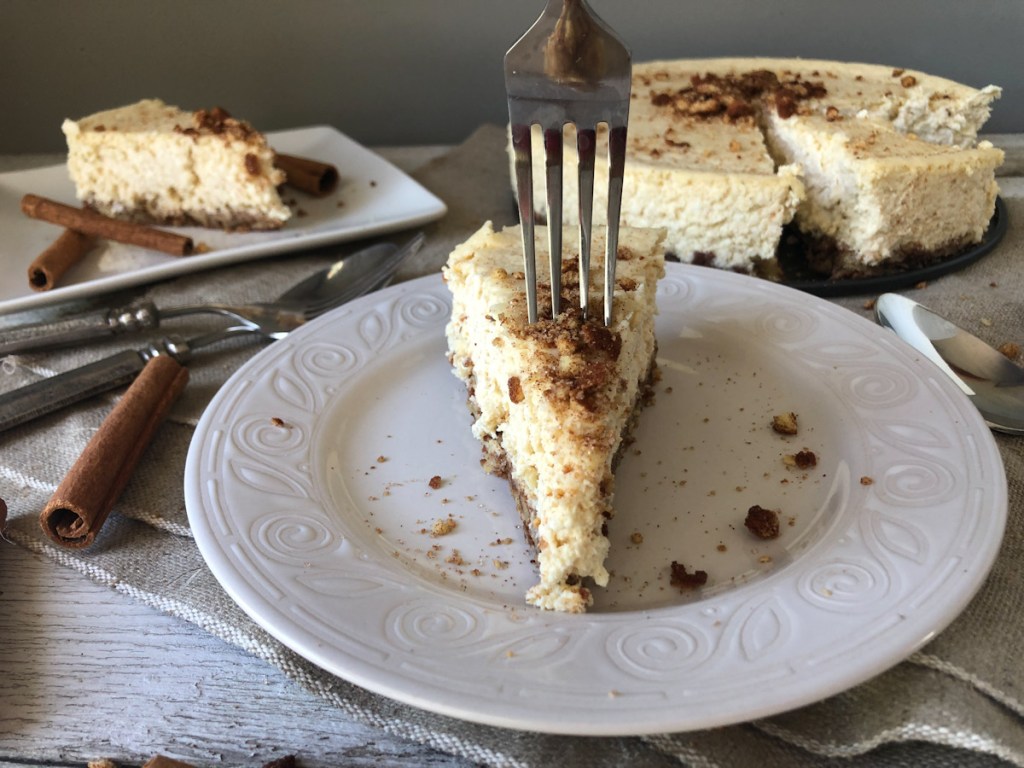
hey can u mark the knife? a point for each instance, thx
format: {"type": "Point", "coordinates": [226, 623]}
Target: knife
{"type": "Point", "coordinates": [51, 394]}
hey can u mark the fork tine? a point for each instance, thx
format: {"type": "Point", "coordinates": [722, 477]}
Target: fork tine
{"type": "Point", "coordinates": [616, 169]}
{"type": "Point", "coordinates": [522, 147]}
{"type": "Point", "coordinates": [553, 158]}
{"type": "Point", "coordinates": [586, 148]}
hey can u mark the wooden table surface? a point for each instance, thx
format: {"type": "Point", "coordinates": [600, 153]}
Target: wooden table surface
{"type": "Point", "coordinates": [88, 673]}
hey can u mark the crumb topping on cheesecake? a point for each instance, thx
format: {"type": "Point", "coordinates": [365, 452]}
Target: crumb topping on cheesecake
{"type": "Point", "coordinates": [735, 96]}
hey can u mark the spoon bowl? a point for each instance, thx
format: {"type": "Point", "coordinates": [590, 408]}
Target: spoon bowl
{"type": "Point", "coordinates": [989, 379]}
{"type": "Point", "coordinates": [346, 279]}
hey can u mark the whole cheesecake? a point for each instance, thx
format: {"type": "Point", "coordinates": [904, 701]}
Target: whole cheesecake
{"type": "Point", "coordinates": [555, 402]}
{"type": "Point", "coordinates": [878, 168]}
{"type": "Point", "coordinates": [155, 163]}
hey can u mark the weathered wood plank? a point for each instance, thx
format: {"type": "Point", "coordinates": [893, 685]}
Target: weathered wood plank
{"type": "Point", "coordinates": [86, 672]}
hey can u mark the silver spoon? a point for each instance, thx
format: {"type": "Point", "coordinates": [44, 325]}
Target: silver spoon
{"type": "Point", "coordinates": [352, 276]}
{"type": "Point", "coordinates": [329, 288]}
{"type": "Point", "coordinates": [993, 383]}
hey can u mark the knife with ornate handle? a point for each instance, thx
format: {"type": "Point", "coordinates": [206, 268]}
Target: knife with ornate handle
{"type": "Point", "coordinates": [55, 392]}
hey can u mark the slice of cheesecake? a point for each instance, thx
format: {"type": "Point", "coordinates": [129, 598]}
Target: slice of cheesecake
{"type": "Point", "coordinates": [157, 164]}
{"type": "Point", "coordinates": [878, 199]}
{"type": "Point", "coordinates": [555, 402]}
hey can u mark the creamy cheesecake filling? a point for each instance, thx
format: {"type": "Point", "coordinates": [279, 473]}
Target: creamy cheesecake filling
{"type": "Point", "coordinates": [573, 594]}
{"type": "Point", "coordinates": [554, 401]}
{"type": "Point", "coordinates": [155, 163]}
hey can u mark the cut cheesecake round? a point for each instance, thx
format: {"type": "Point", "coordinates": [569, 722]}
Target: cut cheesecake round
{"type": "Point", "coordinates": [878, 167]}
{"type": "Point", "coordinates": [554, 402]}
{"type": "Point", "coordinates": [157, 164]}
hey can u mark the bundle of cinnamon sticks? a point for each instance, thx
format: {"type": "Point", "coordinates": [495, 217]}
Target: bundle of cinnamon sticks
{"type": "Point", "coordinates": [83, 500]}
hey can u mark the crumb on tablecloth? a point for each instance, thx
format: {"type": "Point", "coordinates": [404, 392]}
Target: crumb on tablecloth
{"type": "Point", "coordinates": [1010, 350]}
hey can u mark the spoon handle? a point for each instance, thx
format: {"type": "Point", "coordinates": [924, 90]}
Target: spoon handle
{"type": "Point", "coordinates": [66, 331]}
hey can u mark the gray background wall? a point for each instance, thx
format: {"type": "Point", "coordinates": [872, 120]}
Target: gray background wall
{"type": "Point", "coordinates": [429, 71]}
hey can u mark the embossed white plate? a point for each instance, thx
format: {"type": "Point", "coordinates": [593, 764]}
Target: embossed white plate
{"type": "Point", "coordinates": [319, 471]}
{"type": "Point", "coordinates": [372, 197]}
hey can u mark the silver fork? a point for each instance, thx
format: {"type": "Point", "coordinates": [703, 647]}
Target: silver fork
{"type": "Point", "coordinates": [569, 67]}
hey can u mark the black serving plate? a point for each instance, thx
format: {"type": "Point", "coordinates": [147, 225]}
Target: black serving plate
{"type": "Point", "coordinates": [797, 276]}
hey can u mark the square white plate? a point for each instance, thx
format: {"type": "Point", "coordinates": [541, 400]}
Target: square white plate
{"type": "Point", "coordinates": [373, 197]}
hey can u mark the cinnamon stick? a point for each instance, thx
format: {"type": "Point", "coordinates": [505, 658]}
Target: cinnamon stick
{"type": "Point", "coordinates": [162, 761]}
{"type": "Point", "coordinates": [311, 176]}
{"type": "Point", "coordinates": [81, 503]}
{"type": "Point", "coordinates": [3, 515]}
{"type": "Point", "coordinates": [50, 265]}
{"type": "Point", "coordinates": [96, 224]}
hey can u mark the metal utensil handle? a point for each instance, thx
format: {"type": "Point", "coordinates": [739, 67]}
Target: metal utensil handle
{"type": "Point", "coordinates": [64, 389]}
{"type": "Point", "coordinates": [68, 330]}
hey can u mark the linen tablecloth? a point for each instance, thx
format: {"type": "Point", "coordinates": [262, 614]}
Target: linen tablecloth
{"type": "Point", "coordinates": [957, 702]}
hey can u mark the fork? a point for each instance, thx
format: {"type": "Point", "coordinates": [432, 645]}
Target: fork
{"type": "Point", "coordinates": [569, 68]}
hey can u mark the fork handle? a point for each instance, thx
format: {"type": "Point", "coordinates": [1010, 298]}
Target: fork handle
{"type": "Point", "coordinates": [48, 395]}
{"type": "Point", "coordinates": [95, 325]}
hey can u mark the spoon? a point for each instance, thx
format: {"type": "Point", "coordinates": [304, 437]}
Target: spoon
{"type": "Point", "coordinates": [329, 288]}
{"type": "Point", "coordinates": [352, 276]}
{"type": "Point", "coordinates": [993, 383]}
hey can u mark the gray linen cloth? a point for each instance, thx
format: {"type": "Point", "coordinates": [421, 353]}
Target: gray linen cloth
{"type": "Point", "coordinates": [959, 701]}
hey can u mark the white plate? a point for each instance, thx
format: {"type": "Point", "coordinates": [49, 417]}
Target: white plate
{"type": "Point", "coordinates": [319, 528]}
{"type": "Point", "coordinates": [373, 197]}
